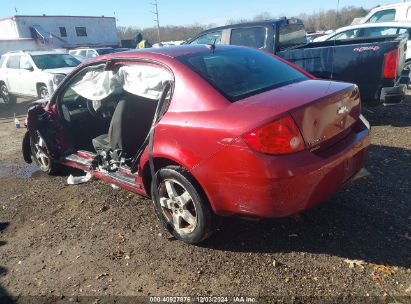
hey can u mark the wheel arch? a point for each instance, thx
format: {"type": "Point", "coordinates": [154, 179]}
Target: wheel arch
{"type": "Point", "coordinates": [11, 97]}
{"type": "Point", "coordinates": [159, 163]}
{"type": "Point", "coordinates": [26, 148]}
{"type": "Point", "coordinates": [5, 83]}
{"type": "Point", "coordinates": [162, 162]}
{"type": "Point", "coordinates": [39, 84]}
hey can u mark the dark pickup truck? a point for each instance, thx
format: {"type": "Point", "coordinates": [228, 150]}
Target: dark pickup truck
{"type": "Point", "coordinates": [374, 64]}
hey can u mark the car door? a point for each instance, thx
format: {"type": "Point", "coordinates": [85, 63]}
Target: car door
{"type": "Point", "coordinates": [13, 67]}
{"type": "Point", "coordinates": [27, 76]}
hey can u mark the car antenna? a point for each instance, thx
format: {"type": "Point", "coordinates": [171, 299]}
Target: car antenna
{"type": "Point", "coordinates": [332, 54]}
{"type": "Point", "coordinates": [212, 46]}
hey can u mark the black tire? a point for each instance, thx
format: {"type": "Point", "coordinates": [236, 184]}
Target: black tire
{"type": "Point", "coordinates": [44, 162]}
{"type": "Point", "coordinates": [7, 97]}
{"type": "Point", "coordinates": [197, 206]}
{"type": "Point", "coordinates": [407, 66]}
{"type": "Point", "coordinates": [43, 92]}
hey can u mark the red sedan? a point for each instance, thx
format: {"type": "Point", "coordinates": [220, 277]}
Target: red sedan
{"type": "Point", "coordinates": [205, 131]}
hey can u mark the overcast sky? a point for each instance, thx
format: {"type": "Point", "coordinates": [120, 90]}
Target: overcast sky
{"type": "Point", "coordinates": [175, 12]}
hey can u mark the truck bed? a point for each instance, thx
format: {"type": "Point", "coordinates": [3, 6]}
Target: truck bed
{"type": "Point", "coordinates": [356, 60]}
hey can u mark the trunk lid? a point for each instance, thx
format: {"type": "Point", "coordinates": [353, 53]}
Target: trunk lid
{"type": "Point", "coordinates": [323, 110]}
{"type": "Point", "coordinates": [325, 121]}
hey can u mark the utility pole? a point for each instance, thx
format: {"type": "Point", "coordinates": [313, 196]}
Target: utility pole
{"type": "Point", "coordinates": [157, 19]}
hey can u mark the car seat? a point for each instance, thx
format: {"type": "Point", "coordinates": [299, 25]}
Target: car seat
{"type": "Point", "coordinates": [129, 126]}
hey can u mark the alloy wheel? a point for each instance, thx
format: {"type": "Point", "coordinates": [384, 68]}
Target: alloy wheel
{"type": "Point", "coordinates": [177, 206]}
{"type": "Point", "coordinates": [44, 93]}
{"type": "Point", "coordinates": [5, 94]}
{"type": "Point", "coordinates": [39, 152]}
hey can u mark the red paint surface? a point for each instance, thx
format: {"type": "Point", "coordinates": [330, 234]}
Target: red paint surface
{"type": "Point", "coordinates": [202, 132]}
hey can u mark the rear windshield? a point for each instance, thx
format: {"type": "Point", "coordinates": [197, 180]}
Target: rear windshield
{"type": "Point", "coordinates": [291, 35]}
{"type": "Point", "coordinates": [242, 72]}
{"type": "Point", "coordinates": [54, 61]}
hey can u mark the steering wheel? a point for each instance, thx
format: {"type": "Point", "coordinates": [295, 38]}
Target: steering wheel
{"type": "Point", "coordinates": [94, 112]}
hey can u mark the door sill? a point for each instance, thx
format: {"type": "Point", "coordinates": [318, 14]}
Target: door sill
{"type": "Point", "coordinates": [121, 176]}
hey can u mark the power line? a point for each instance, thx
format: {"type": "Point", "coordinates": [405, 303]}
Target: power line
{"type": "Point", "coordinates": [155, 4]}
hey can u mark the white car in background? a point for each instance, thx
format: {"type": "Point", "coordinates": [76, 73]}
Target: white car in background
{"type": "Point", "coordinates": [391, 12]}
{"type": "Point", "coordinates": [91, 52]}
{"type": "Point", "coordinates": [33, 74]}
{"type": "Point", "coordinates": [369, 30]}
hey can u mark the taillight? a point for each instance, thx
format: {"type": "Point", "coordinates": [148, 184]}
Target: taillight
{"type": "Point", "coordinates": [391, 64]}
{"type": "Point", "coordinates": [355, 93]}
{"type": "Point", "coordinates": [278, 137]}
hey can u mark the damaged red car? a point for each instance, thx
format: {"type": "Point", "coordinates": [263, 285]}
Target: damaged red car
{"type": "Point", "coordinates": [205, 131]}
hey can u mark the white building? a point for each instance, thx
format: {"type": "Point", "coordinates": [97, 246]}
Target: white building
{"type": "Point", "coordinates": [49, 32]}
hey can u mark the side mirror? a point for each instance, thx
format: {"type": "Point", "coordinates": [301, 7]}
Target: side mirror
{"type": "Point", "coordinates": [28, 67]}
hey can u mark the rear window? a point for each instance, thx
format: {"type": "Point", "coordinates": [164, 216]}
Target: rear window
{"type": "Point", "coordinates": [242, 72]}
{"type": "Point", "coordinates": [291, 35]}
{"type": "Point", "coordinates": [252, 36]}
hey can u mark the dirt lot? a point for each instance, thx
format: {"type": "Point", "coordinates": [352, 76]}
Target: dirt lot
{"type": "Point", "coordinates": [92, 240]}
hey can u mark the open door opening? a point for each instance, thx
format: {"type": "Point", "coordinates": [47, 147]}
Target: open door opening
{"type": "Point", "coordinates": [109, 113]}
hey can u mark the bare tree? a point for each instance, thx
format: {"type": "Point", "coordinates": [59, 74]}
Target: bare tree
{"type": "Point", "coordinates": [321, 20]}
{"type": "Point", "coordinates": [168, 33]}
{"type": "Point", "coordinates": [263, 16]}
{"type": "Point", "coordinates": [331, 20]}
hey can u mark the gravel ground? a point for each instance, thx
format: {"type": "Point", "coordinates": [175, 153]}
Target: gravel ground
{"type": "Point", "coordinates": [65, 242]}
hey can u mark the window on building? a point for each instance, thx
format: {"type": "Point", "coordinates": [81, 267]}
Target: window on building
{"type": "Point", "coordinates": [253, 36]}
{"type": "Point", "coordinates": [13, 62]}
{"type": "Point", "coordinates": [63, 32]}
{"type": "Point", "coordinates": [81, 31]}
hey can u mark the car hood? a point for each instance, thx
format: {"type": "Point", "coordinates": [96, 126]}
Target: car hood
{"type": "Point", "coordinates": [64, 71]}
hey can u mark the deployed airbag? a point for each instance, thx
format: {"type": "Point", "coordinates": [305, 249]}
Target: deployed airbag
{"type": "Point", "coordinates": [141, 80]}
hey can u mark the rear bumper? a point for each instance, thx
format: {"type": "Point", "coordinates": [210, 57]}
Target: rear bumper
{"type": "Point", "coordinates": [387, 92]}
{"type": "Point", "coordinates": [253, 184]}
{"type": "Point", "coordinates": [393, 95]}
